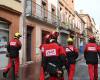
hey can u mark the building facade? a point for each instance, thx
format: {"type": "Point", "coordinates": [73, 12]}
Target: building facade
{"type": "Point", "coordinates": [9, 20]}
{"type": "Point", "coordinates": [41, 19]}
{"type": "Point", "coordinates": [79, 29]}
{"type": "Point", "coordinates": [66, 16]}
{"type": "Point", "coordinates": [90, 24]}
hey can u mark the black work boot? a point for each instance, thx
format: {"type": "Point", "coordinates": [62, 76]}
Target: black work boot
{"type": "Point", "coordinates": [5, 74]}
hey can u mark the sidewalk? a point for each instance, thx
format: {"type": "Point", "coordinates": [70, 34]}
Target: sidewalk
{"type": "Point", "coordinates": [29, 71]}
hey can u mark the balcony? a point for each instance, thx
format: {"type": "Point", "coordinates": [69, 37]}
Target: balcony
{"type": "Point", "coordinates": [38, 12]}
{"type": "Point", "coordinates": [66, 25]}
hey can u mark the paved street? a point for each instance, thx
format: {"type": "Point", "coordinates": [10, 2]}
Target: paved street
{"type": "Point", "coordinates": [30, 71]}
{"type": "Point", "coordinates": [82, 71]}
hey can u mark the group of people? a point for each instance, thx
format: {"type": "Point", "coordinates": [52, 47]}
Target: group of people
{"type": "Point", "coordinates": [55, 56]}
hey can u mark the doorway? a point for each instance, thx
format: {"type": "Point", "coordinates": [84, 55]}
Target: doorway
{"type": "Point", "coordinates": [29, 44]}
{"type": "Point", "coordinates": [44, 33]}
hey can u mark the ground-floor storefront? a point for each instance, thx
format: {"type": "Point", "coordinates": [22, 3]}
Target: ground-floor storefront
{"type": "Point", "coordinates": [9, 24]}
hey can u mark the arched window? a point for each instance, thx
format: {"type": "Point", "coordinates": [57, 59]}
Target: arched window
{"type": "Point", "coordinates": [4, 36]}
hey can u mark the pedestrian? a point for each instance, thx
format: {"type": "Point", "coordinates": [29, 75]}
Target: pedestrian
{"type": "Point", "coordinates": [91, 57]}
{"type": "Point", "coordinates": [72, 55]}
{"type": "Point", "coordinates": [13, 48]}
{"type": "Point", "coordinates": [51, 59]}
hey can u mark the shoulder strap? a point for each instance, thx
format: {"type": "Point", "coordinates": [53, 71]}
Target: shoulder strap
{"type": "Point", "coordinates": [69, 49]}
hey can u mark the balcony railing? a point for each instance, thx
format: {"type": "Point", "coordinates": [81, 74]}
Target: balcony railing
{"type": "Point", "coordinates": [66, 25]}
{"type": "Point", "coordinates": [38, 12]}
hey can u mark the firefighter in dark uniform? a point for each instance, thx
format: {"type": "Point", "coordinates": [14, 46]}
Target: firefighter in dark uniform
{"type": "Point", "coordinates": [91, 56]}
{"type": "Point", "coordinates": [72, 55]}
{"type": "Point", "coordinates": [52, 59]}
{"type": "Point", "coordinates": [13, 48]}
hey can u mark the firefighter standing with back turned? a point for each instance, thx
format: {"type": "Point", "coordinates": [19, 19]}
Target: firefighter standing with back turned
{"type": "Point", "coordinates": [13, 48]}
{"type": "Point", "coordinates": [52, 56]}
{"type": "Point", "coordinates": [45, 42]}
{"type": "Point", "coordinates": [91, 56]}
{"type": "Point", "coordinates": [62, 56]}
{"type": "Point", "coordinates": [71, 54]}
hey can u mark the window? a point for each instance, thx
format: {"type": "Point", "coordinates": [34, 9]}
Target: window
{"type": "Point", "coordinates": [44, 33]}
{"type": "Point", "coordinates": [4, 37]}
{"type": "Point", "coordinates": [29, 43]}
{"type": "Point", "coordinates": [72, 1]}
{"type": "Point", "coordinates": [43, 12]}
{"type": "Point", "coordinates": [53, 13]}
{"type": "Point", "coordinates": [4, 33]}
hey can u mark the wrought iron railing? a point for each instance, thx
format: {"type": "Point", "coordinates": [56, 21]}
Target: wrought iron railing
{"type": "Point", "coordinates": [35, 10]}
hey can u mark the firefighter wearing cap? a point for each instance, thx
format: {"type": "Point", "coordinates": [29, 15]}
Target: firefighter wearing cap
{"type": "Point", "coordinates": [71, 54]}
{"type": "Point", "coordinates": [13, 48]}
{"type": "Point", "coordinates": [52, 62]}
{"type": "Point", "coordinates": [91, 56]}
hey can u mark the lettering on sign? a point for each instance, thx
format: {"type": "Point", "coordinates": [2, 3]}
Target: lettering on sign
{"type": "Point", "coordinates": [12, 43]}
{"type": "Point", "coordinates": [51, 52]}
{"type": "Point", "coordinates": [91, 48]}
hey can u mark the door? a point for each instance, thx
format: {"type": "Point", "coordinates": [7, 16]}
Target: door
{"type": "Point", "coordinates": [4, 35]}
{"type": "Point", "coordinates": [29, 43]}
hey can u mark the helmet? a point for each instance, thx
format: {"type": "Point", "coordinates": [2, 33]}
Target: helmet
{"type": "Point", "coordinates": [47, 38]}
{"type": "Point", "coordinates": [17, 35]}
{"type": "Point", "coordinates": [69, 40]}
{"type": "Point", "coordinates": [91, 37]}
{"type": "Point", "coordinates": [55, 34]}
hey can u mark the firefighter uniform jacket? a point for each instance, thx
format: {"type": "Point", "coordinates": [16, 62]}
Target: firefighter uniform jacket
{"type": "Point", "coordinates": [71, 53]}
{"type": "Point", "coordinates": [91, 53]}
{"type": "Point", "coordinates": [51, 57]}
{"type": "Point", "coordinates": [13, 47]}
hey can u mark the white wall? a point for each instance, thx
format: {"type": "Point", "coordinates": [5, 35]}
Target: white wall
{"type": "Point", "coordinates": [53, 2]}
{"type": "Point", "coordinates": [38, 2]}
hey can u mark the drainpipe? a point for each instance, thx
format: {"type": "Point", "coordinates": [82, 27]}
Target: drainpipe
{"type": "Point", "coordinates": [58, 27]}
{"type": "Point", "coordinates": [86, 33]}
{"type": "Point", "coordinates": [22, 30]}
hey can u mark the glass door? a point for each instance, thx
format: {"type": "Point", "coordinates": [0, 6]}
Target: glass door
{"type": "Point", "coordinates": [4, 35]}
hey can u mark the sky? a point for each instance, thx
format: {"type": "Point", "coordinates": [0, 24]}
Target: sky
{"type": "Point", "coordinates": [91, 7]}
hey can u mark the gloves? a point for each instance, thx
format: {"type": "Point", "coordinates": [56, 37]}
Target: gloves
{"type": "Point", "coordinates": [59, 73]}
{"type": "Point", "coordinates": [8, 55]}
